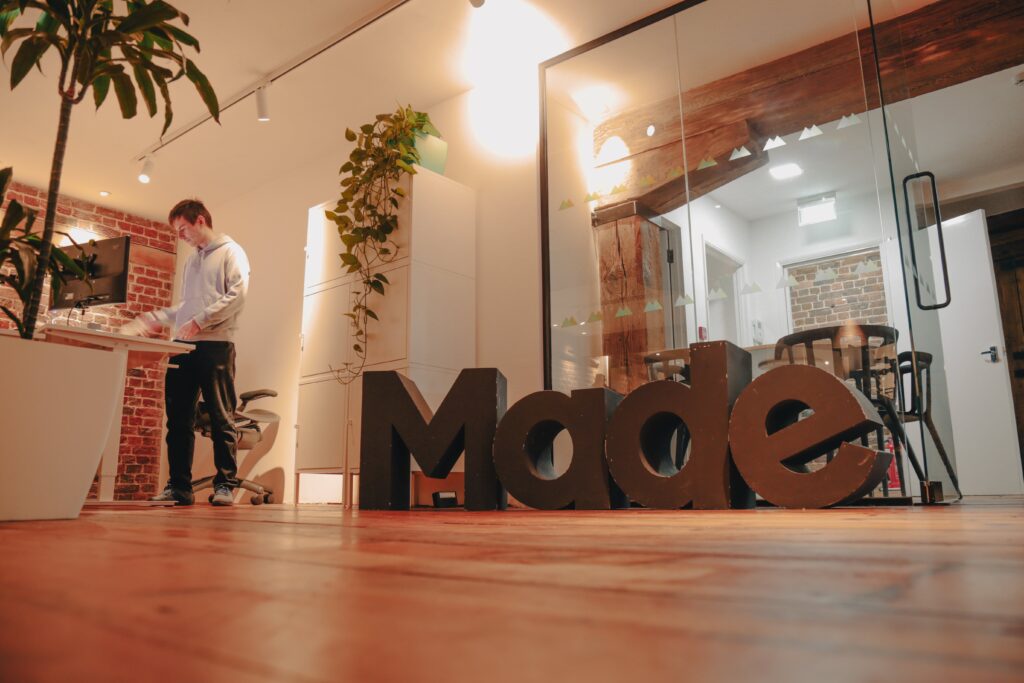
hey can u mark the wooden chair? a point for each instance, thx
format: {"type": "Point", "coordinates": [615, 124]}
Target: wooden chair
{"type": "Point", "coordinates": [919, 366]}
{"type": "Point", "coordinates": [866, 356]}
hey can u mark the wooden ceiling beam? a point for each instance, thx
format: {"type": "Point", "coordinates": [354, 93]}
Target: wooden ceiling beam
{"type": "Point", "coordinates": [940, 45]}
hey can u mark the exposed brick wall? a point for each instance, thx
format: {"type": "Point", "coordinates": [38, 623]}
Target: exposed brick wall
{"type": "Point", "coordinates": [851, 297]}
{"type": "Point", "coordinates": [151, 282]}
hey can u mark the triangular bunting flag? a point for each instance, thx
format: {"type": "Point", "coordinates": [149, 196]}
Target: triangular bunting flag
{"type": "Point", "coordinates": [811, 132]}
{"type": "Point", "coordinates": [847, 121]}
{"type": "Point", "coordinates": [739, 153]}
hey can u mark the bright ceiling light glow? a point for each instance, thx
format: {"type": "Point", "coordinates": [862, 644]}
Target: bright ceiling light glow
{"type": "Point", "coordinates": [145, 175]}
{"type": "Point", "coordinates": [606, 178]}
{"type": "Point", "coordinates": [104, 193]}
{"type": "Point", "coordinates": [597, 102]}
{"type": "Point", "coordinates": [650, 130]}
{"type": "Point", "coordinates": [817, 210]}
{"type": "Point", "coordinates": [785, 171]}
{"type": "Point", "coordinates": [502, 67]}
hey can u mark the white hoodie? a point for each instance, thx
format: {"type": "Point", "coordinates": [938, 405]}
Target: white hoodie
{"type": "Point", "coordinates": [213, 293]}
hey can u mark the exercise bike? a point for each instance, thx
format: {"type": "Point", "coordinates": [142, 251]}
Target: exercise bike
{"type": "Point", "coordinates": [250, 424]}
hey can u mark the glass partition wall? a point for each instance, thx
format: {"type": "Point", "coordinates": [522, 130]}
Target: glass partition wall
{"type": "Point", "coordinates": [723, 172]}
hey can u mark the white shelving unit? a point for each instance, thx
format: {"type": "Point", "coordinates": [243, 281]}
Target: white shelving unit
{"type": "Point", "coordinates": [427, 327]}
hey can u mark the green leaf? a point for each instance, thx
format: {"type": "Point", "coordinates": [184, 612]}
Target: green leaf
{"type": "Point", "coordinates": [6, 177]}
{"type": "Point", "coordinates": [371, 314]}
{"type": "Point", "coordinates": [14, 215]}
{"type": "Point", "coordinates": [366, 128]}
{"type": "Point", "coordinates": [7, 17]}
{"type": "Point", "coordinates": [182, 37]}
{"type": "Point", "coordinates": [126, 97]}
{"type": "Point", "coordinates": [202, 84]}
{"type": "Point", "coordinates": [377, 286]}
{"type": "Point", "coordinates": [28, 55]}
{"type": "Point", "coordinates": [145, 17]}
{"type": "Point", "coordinates": [165, 93]}
{"type": "Point", "coordinates": [147, 89]}
{"type": "Point", "coordinates": [350, 135]}
{"type": "Point", "coordinates": [48, 23]}
{"type": "Point", "coordinates": [100, 88]}
{"type": "Point", "coordinates": [16, 320]}
{"type": "Point", "coordinates": [398, 190]}
{"type": "Point", "coordinates": [357, 348]}
{"type": "Point", "coordinates": [350, 260]}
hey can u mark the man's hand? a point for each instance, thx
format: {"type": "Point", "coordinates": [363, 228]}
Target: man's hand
{"type": "Point", "coordinates": [145, 325]}
{"type": "Point", "coordinates": [188, 330]}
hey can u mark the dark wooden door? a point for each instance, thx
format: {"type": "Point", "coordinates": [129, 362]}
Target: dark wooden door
{"type": "Point", "coordinates": [1006, 234]}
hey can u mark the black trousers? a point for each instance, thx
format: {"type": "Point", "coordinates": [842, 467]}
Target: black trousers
{"type": "Point", "coordinates": [210, 370]}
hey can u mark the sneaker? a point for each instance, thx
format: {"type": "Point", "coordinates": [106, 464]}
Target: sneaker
{"type": "Point", "coordinates": [222, 495]}
{"type": "Point", "coordinates": [179, 497]}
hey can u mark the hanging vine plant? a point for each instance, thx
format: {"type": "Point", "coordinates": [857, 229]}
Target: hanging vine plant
{"type": "Point", "coordinates": [367, 212]}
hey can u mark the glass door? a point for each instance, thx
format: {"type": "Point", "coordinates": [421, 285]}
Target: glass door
{"type": "Point", "coordinates": [793, 259]}
{"type": "Point", "coordinates": [953, 137]}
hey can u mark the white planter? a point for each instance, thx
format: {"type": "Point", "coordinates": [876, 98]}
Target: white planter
{"type": "Point", "coordinates": [57, 406]}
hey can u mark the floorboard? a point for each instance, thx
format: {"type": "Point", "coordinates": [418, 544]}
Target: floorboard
{"type": "Point", "coordinates": [280, 593]}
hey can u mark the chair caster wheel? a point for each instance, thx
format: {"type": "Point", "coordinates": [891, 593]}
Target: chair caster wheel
{"type": "Point", "coordinates": [256, 500]}
{"type": "Point", "coordinates": [209, 498]}
{"type": "Point", "coordinates": [268, 499]}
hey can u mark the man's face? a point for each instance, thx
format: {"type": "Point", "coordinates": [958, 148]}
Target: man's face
{"type": "Point", "coordinates": [189, 232]}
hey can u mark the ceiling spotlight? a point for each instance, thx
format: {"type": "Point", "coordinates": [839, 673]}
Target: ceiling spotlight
{"type": "Point", "coordinates": [104, 193]}
{"type": "Point", "coordinates": [262, 106]}
{"type": "Point", "coordinates": [650, 130]}
{"type": "Point", "coordinates": [476, 3]}
{"type": "Point", "coordinates": [785, 171]}
{"type": "Point", "coordinates": [147, 170]}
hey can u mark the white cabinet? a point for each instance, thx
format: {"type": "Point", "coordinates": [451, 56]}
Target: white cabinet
{"type": "Point", "coordinates": [427, 327]}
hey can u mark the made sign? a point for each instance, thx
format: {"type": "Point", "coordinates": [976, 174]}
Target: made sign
{"type": "Point", "coordinates": [744, 437]}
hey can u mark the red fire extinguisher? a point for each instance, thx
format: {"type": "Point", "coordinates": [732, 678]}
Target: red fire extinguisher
{"type": "Point", "coordinates": [894, 471]}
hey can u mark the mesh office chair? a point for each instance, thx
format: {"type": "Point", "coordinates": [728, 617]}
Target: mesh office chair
{"type": "Point", "coordinates": [250, 425]}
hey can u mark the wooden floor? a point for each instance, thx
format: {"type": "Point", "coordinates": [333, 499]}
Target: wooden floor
{"type": "Point", "coordinates": [278, 593]}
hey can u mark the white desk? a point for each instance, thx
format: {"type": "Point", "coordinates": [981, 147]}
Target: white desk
{"type": "Point", "coordinates": [136, 351]}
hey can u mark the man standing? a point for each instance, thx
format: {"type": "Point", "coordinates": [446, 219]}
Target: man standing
{"type": "Point", "coordinates": [214, 287]}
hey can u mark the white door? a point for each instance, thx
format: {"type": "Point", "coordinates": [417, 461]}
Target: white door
{"type": "Point", "coordinates": [984, 428]}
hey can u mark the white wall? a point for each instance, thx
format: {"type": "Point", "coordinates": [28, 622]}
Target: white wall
{"type": "Point", "coordinates": [508, 249]}
{"type": "Point", "coordinates": [726, 231]}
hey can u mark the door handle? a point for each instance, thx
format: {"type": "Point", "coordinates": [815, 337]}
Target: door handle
{"type": "Point", "coordinates": [942, 242]}
{"type": "Point", "coordinates": [992, 353]}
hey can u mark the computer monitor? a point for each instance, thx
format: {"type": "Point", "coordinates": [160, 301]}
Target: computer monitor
{"type": "Point", "coordinates": [106, 261]}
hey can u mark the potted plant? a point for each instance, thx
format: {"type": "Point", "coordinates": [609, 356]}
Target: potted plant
{"type": "Point", "coordinates": [136, 48]}
{"type": "Point", "coordinates": [367, 211]}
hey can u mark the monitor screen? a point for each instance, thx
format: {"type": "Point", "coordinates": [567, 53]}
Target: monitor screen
{"type": "Point", "coordinates": [107, 264]}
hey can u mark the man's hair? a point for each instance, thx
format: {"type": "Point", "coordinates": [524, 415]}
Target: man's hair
{"type": "Point", "coordinates": [190, 210]}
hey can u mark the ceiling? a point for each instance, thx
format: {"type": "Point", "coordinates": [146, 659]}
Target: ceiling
{"type": "Point", "coordinates": [706, 43]}
{"type": "Point", "coordinates": [412, 55]}
{"type": "Point", "coordinates": [968, 130]}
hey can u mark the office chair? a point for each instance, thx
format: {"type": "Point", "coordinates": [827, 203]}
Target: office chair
{"type": "Point", "coordinates": [250, 433]}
